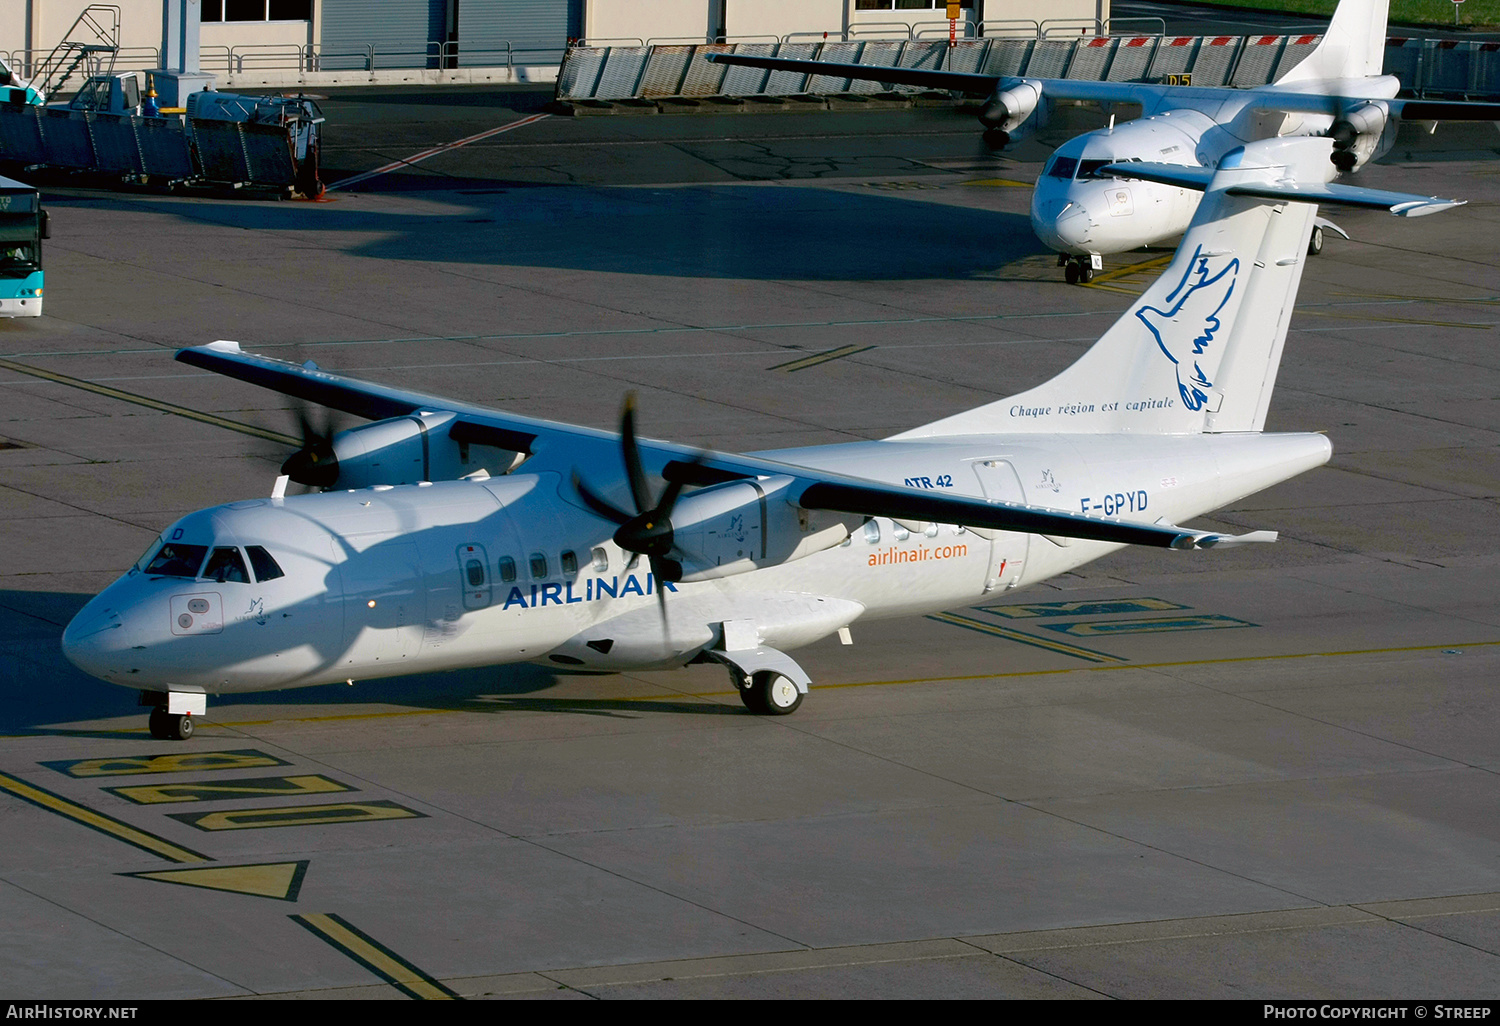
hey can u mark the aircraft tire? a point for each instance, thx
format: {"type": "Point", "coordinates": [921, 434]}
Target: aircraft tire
{"type": "Point", "coordinates": [1315, 241]}
{"type": "Point", "coordinates": [1085, 272]}
{"type": "Point", "coordinates": [181, 729]}
{"type": "Point", "coordinates": [771, 694]}
{"type": "Point", "coordinates": [1072, 272]}
{"type": "Point", "coordinates": [159, 724]}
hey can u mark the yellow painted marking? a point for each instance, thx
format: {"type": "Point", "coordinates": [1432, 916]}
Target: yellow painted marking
{"type": "Point", "coordinates": [153, 404]}
{"type": "Point", "coordinates": [1004, 183]}
{"type": "Point", "coordinates": [1489, 301]}
{"type": "Point", "coordinates": [279, 880]}
{"type": "Point", "coordinates": [297, 815]}
{"type": "Point", "coordinates": [956, 679]}
{"type": "Point", "coordinates": [1028, 610]}
{"type": "Point", "coordinates": [374, 956]}
{"type": "Point", "coordinates": [175, 763]}
{"type": "Point", "coordinates": [99, 821]}
{"type": "Point", "coordinates": [1116, 288]}
{"type": "Point", "coordinates": [1009, 634]}
{"type": "Point", "coordinates": [1392, 320]}
{"type": "Point", "coordinates": [1121, 272]}
{"type": "Point", "coordinates": [817, 358]}
{"type": "Point", "coordinates": [1156, 625]}
{"type": "Point", "coordinates": [215, 790]}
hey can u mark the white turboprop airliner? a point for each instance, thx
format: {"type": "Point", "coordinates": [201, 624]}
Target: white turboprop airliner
{"type": "Point", "coordinates": [418, 563]}
{"type": "Point", "coordinates": [1076, 209]}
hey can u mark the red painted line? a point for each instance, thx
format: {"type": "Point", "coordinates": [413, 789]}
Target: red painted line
{"type": "Point", "coordinates": [1137, 41]}
{"type": "Point", "coordinates": [1181, 40]}
{"type": "Point", "coordinates": [1265, 40]}
{"type": "Point", "coordinates": [1100, 41]}
{"type": "Point", "coordinates": [1221, 41]}
{"type": "Point", "coordinates": [434, 151]}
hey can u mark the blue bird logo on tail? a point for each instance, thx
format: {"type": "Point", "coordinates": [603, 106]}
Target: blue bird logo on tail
{"type": "Point", "coordinates": [1189, 327]}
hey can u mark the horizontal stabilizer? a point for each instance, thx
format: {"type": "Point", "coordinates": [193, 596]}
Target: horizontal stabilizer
{"type": "Point", "coordinates": [1224, 541]}
{"type": "Point", "coordinates": [1402, 204]}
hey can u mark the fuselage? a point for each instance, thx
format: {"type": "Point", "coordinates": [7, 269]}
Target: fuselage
{"type": "Point", "coordinates": [313, 589]}
{"type": "Point", "coordinates": [1078, 211]}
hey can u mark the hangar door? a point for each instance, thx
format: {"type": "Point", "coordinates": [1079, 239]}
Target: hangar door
{"type": "Point", "coordinates": [537, 31]}
{"type": "Point", "coordinates": [400, 33]}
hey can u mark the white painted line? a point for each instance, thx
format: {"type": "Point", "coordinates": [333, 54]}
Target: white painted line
{"type": "Point", "coordinates": [434, 151]}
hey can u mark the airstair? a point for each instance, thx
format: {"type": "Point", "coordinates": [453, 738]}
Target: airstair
{"type": "Point", "coordinates": [88, 48]}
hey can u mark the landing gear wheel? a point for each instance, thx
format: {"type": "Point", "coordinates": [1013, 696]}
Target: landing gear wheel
{"type": "Point", "coordinates": [1085, 271]}
{"type": "Point", "coordinates": [771, 694]}
{"type": "Point", "coordinates": [1315, 242]}
{"type": "Point", "coordinates": [1072, 272]}
{"type": "Point", "coordinates": [167, 727]}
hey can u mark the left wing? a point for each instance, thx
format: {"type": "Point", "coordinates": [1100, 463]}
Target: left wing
{"type": "Point", "coordinates": [559, 448]}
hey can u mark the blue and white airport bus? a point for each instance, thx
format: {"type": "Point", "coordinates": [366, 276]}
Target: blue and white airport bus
{"type": "Point", "coordinates": [23, 226]}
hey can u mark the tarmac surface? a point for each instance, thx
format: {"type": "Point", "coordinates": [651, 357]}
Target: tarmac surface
{"type": "Point", "coordinates": [1262, 773]}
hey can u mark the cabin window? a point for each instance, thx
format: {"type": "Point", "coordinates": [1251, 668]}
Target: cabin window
{"type": "Point", "coordinates": [569, 563]}
{"type": "Point", "coordinates": [601, 559]}
{"type": "Point", "coordinates": [538, 565]}
{"type": "Point", "coordinates": [931, 530]}
{"type": "Point", "coordinates": [899, 533]}
{"type": "Point", "coordinates": [177, 560]}
{"type": "Point", "coordinates": [507, 569]}
{"type": "Point", "coordinates": [872, 532]}
{"type": "Point", "coordinates": [474, 571]}
{"type": "Point", "coordinates": [266, 568]}
{"type": "Point", "coordinates": [226, 565]}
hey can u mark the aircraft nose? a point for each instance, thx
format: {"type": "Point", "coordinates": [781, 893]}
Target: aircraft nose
{"type": "Point", "coordinates": [1064, 225]}
{"type": "Point", "coordinates": [95, 639]}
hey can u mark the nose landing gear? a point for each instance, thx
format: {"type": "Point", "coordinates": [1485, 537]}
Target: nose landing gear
{"type": "Point", "coordinates": [172, 713]}
{"type": "Point", "coordinates": [1079, 270]}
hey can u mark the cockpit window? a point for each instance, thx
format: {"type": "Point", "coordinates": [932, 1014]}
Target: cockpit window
{"type": "Point", "coordinates": [177, 560]}
{"type": "Point", "coordinates": [226, 565]}
{"type": "Point", "coordinates": [1090, 168]}
{"type": "Point", "coordinates": [1063, 167]}
{"type": "Point", "coordinates": [265, 567]}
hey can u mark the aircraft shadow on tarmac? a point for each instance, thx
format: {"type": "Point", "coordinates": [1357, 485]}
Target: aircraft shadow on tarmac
{"type": "Point", "coordinates": [732, 232]}
{"type": "Point", "coordinates": [40, 689]}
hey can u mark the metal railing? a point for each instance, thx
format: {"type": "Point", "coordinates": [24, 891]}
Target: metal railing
{"type": "Point", "coordinates": [1450, 68]}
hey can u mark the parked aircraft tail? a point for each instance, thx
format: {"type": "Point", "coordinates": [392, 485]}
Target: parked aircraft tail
{"type": "Point", "coordinates": [1353, 45]}
{"type": "Point", "coordinates": [1199, 350]}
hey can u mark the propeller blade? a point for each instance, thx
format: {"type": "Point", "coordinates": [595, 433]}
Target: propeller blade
{"type": "Point", "coordinates": [598, 505]}
{"type": "Point", "coordinates": [634, 471]}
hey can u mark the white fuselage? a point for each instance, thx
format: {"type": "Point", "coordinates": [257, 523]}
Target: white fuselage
{"type": "Point", "coordinates": [1075, 210]}
{"type": "Point", "coordinates": [419, 578]}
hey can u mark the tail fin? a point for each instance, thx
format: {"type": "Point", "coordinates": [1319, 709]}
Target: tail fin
{"type": "Point", "coordinates": [1353, 45]}
{"type": "Point", "coordinates": [1199, 351]}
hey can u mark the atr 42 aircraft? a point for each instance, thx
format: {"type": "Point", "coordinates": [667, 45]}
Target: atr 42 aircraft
{"type": "Point", "coordinates": [417, 562]}
{"type": "Point", "coordinates": [1083, 213]}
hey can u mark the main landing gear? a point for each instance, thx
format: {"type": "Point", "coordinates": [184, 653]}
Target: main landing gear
{"type": "Point", "coordinates": [172, 713]}
{"type": "Point", "coordinates": [1079, 270]}
{"type": "Point", "coordinates": [769, 682]}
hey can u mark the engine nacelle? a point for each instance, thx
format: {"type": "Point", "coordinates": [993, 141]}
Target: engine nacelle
{"type": "Point", "coordinates": [1356, 132]}
{"type": "Point", "coordinates": [740, 526]}
{"type": "Point", "coordinates": [1007, 109]}
{"type": "Point", "coordinates": [401, 450]}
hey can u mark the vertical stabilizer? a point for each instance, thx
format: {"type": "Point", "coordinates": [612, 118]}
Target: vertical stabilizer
{"type": "Point", "coordinates": [1200, 348]}
{"type": "Point", "coordinates": [1352, 47]}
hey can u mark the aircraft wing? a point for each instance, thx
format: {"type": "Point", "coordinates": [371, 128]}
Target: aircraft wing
{"type": "Point", "coordinates": [968, 83]}
{"type": "Point", "coordinates": [560, 448]}
{"type": "Point", "coordinates": [1402, 204]}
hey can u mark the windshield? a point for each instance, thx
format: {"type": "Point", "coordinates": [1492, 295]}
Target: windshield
{"type": "Point", "coordinates": [1062, 167]}
{"type": "Point", "coordinates": [19, 249]}
{"type": "Point", "coordinates": [177, 560]}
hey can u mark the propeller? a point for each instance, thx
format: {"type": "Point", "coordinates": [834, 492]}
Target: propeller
{"type": "Point", "coordinates": [647, 532]}
{"type": "Point", "coordinates": [315, 464]}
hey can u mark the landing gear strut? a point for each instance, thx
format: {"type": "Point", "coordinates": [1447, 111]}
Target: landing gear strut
{"type": "Point", "coordinates": [770, 683]}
